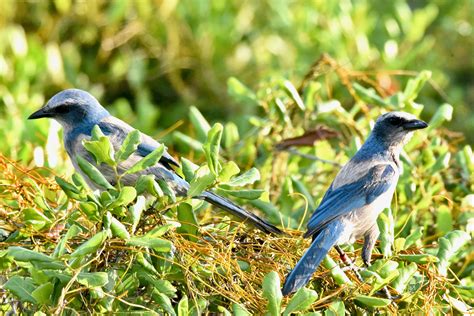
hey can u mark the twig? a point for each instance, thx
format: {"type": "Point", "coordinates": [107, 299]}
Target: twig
{"type": "Point", "coordinates": [311, 157]}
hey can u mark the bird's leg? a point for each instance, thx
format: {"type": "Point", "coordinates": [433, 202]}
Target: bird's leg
{"type": "Point", "coordinates": [348, 262]}
{"type": "Point", "coordinates": [369, 243]}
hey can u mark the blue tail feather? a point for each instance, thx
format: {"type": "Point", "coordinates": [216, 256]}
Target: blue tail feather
{"type": "Point", "coordinates": [304, 269]}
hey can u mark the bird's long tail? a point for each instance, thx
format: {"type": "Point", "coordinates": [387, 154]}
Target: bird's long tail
{"type": "Point", "coordinates": [236, 210]}
{"type": "Point", "coordinates": [304, 269]}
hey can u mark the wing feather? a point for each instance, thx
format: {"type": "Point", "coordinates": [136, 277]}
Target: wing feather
{"type": "Point", "coordinates": [342, 200]}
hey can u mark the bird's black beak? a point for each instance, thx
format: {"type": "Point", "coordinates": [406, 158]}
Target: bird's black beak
{"type": "Point", "coordinates": [39, 114]}
{"type": "Point", "coordinates": [414, 125]}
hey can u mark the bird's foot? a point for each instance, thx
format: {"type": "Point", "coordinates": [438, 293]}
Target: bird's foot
{"type": "Point", "coordinates": [352, 267]}
{"type": "Point", "coordinates": [349, 263]}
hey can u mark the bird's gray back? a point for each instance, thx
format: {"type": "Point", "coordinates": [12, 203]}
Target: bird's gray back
{"type": "Point", "coordinates": [117, 130]}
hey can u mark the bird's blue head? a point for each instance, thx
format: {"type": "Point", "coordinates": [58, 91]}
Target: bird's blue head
{"type": "Point", "coordinates": [396, 128]}
{"type": "Point", "coordinates": [72, 107]}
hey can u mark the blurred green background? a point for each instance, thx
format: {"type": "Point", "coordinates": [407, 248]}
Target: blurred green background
{"type": "Point", "coordinates": [148, 61]}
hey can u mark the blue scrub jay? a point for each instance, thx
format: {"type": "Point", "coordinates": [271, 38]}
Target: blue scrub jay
{"type": "Point", "coordinates": [78, 112]}
{"type": "Point", "coordinates": [360, 191]}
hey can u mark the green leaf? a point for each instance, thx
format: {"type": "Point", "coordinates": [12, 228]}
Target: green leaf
{"type": "Point", "coordinates": [414, 237]}
{"type": "Point", "coordinates": [198, 307]}
{"type": "Point", "coordinates": [70, 189]}
{"type": "Point", "coordinates": [146, 184]}
{"type": "Point", "coordinates": [229, 169]}
{"type": "Point", "coordinates": [90, 209]}
{"type": "Point", "coordinates": [372, 301]}
{"type": "Point", "coordinates": [243, 194]}
{"type": "Point", "coordinates": [125, 197]}
{"type": "Point", "coordinates": [309, 94]}
{"type": "Point", "coordinates": [444, 220]}
{"type": "Point", "coordinates": [243, 265]}
{"type": "Point", "coordinates": [369, 95]}
{"type": "Point", "coordinates": [159, 231]}
{"type": "Point", "coordinates": [467, 161]}
{"type": "Point", "coordinates": [167, 190]}
{"type": "Point", "coordinates": [21, 287]}
{"type": "Point", "coordinates": [230, 136]}
{"type": "Point", "coordinates": [240, 92]}
{"type": "Point", "coordinates": [118, 229]}
{"type": "Point", "coordinates": [91, 245]}
{"type": "Point", "coordinates": [449, 245]}
{"type": "Point", "coordinates": [211, 148]}
{"type": "Point", "coordinates": [443, 114]}
{"type": "Point", "coordinates": [336, 272]}
{"type": "Point", "coordinates": [145, 263]}
{"type": "Point", "coordinates": [272, 292]}
{"type": "Point", "coordinates": [26, 255]}
{"type": "Point", "coordinates": [414, 86]}
{"type": "Point", "coordinates": [60, 249]}
{"type": "Point", "coordinates": [293, 93]}
{"type": "Point", "coordinates": [442, 163]}
{"type": "Point", "coordinates": [136, 211]}
{"type": "Point", "coordinates": [248, 177]}
{"type": "Point", "coordinates": [388, 271]}
{"type": "Point", "coordinates": [93, 173]}
{"type": "Point", "coordinates": [336, 308]}
{"type": "Point", "coordinates": [404, 277]}
{"type": "Point", "coordinates": [162, 286]}
{"type": "Point", "coordinates": [201, 181]}
{"type": "Point", "coordinates": [239, 310]}
{"type": "Point", "coordinates": [129, 283]}
{"type": "Point", "coordinates": [164, 302]}
{"type": "Point", "coordinates": [148, 161]}
{"type": "Point", "coordinates": [100, 147]}
{"type": "Point", "coordinates": [157, 244]}
{"type": "Point", "coordinates": [42, 293]}
{"type": "Point", "coordinates": [189, 168]}
{"type": "Point", "coordinates": [40, 201]}
{"type": "Point", "coordinates": [188, 221]}
{"type": "Point", "coordinates": [128, 147]}
{"type": "Point", "coordinates": [386, 226]}
{"type": "Point", "coordinates": [302, 299]}
{"type": "Point", "coordinates": [187, 141]}
{"type": "Point", "coordinates": [199, 122]}
{"type": "Point", "coordinates": [79, 181]}
{"type": "Point", "coordinates": [92, 279]}
{"type": "Point", "coordinates": [223, 311]}
{"type": "Point", "coordinates": [421, 258]}
{"type": "Point", "coordinates": [183, 306]}
{"type": "Point", "coordinates": [34, 218]}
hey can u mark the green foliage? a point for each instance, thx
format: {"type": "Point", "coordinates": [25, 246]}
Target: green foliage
{"type": "Point", "coordinates": [302, 299]}
{"type": "Point", "coordinates": [272, 292]}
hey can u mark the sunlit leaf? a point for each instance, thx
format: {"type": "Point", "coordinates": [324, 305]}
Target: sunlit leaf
{"type": "Point", "coordinates": [128, 147]}
{"type": "Point", "coordinates": [211, 148]}
{"type": "Point", "coordinates": [148, 161]}
{"type": "Point", "coordinates": [272, 292]}
{"type": "Point", "coordinates": [93, 173]}
{"type": "Point", "coordinates": [202, 180]}
{"type": "Point", "coordinates": [199, 122]}
{"type": "Point", "coordinates": [300, 301]}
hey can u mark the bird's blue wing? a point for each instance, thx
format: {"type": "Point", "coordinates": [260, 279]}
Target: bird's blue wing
{"type": "Point", "coordinates": [340, 201]}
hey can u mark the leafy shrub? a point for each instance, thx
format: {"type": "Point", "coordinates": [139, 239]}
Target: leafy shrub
{"type": "Point", "coordinates": [144, 249]}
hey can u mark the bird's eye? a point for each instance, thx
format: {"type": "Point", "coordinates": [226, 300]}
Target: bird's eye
{"type": "Point", "coordinates": [62, 109]}
{"type": "Point", "coordinates": [396, 121]}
